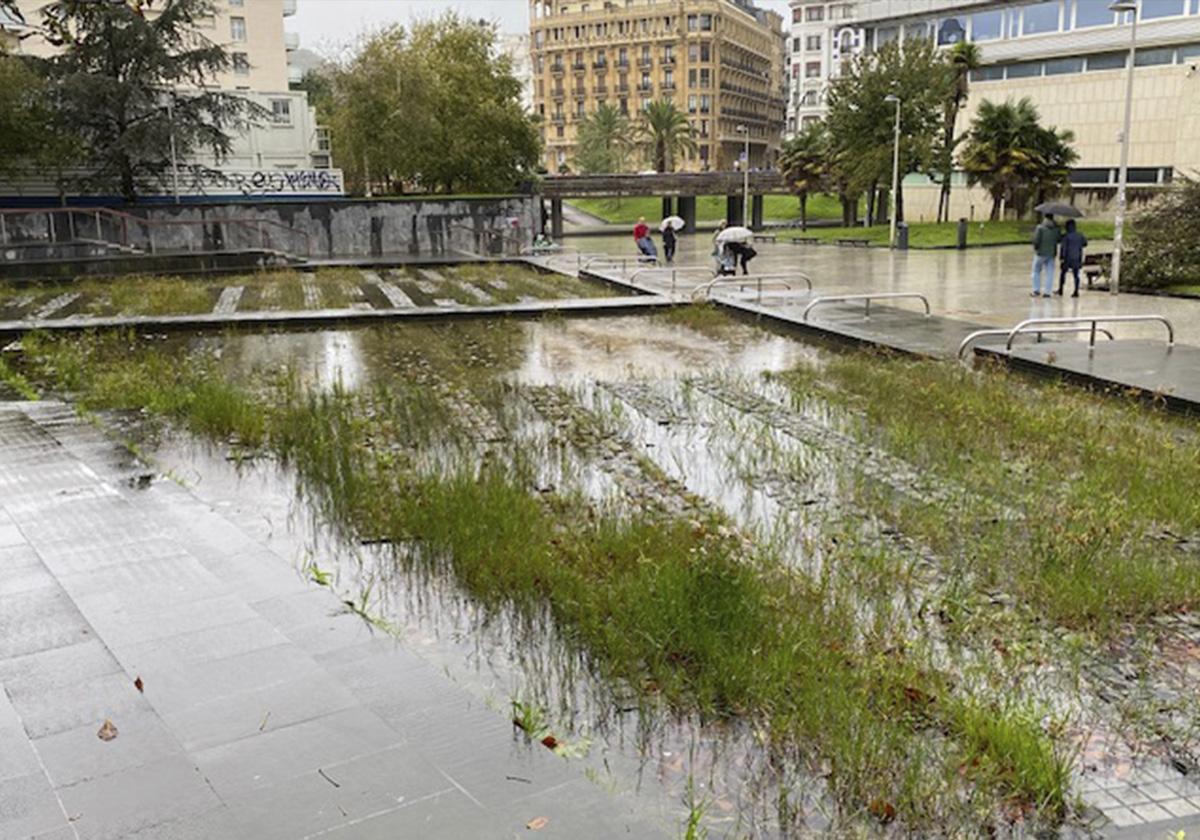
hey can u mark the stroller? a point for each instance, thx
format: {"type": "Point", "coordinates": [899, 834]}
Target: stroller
{"type": "Point", "coordinates": [725, 260]}
{"type": "Point", "coordinates": [647, 252]}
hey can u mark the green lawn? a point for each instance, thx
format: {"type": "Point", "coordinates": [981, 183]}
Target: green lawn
{"type": "Point", "coordinates": [709, 208]}
{"type": "Point", "coordinates": [1188, 289]}
{"type": "Point", "coordinates": [940, 235]}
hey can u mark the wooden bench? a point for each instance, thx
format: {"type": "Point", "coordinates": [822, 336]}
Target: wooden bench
{"type": "Point", "coordinates": [1094, 266]}
{"type": "Point", "coordinates": [764, 237]}
{"type": "Point", "coordinates": [856, 243]}
{"type": "Point", "coordinates": [805, 240]}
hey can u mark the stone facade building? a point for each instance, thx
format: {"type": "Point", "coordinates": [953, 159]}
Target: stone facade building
{"type": "Point", "coordinates": [720, 61]}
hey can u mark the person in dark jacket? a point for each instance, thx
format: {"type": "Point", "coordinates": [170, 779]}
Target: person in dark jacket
{"type": "Point", "coordinates": [668, 235]}
{"type": "Point", "coordinates": [1070, 256]}
{"type": "Point", "coordinates": [1045, 246]}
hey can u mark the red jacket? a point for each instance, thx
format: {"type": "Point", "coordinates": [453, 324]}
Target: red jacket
{"type": "Point", "coordinates": [641, 230]}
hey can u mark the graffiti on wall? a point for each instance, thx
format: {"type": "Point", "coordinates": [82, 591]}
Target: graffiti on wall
{"type": "Point", "coordinates": [251, 182]}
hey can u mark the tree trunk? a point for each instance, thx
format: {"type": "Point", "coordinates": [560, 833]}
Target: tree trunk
{"type": "Point", "coordinates": [995, 217]}
{"type": "Point", "coordinates": [943, 213]}
{"type": "Point", "coordinates": [847, 209]}
{"type": "Point", "coordinates": [128, 188]}
{"type": "Point", "coordinates": [872, 203]}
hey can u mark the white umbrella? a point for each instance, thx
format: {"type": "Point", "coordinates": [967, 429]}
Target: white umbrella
{"type": "Point", "coordinates": [672, 222]}
{"type": "Point", "coordinates": [735, 234]}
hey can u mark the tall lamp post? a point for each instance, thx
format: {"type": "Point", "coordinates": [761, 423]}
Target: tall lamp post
{"type": "Point", "coordinates": [1114, 282]}
{"type": "Point", "coordinates": [741, 129]}
{"type": "Point", "coordinates": [891, 97]}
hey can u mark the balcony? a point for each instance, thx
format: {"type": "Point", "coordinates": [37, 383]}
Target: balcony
{"type": "Point", "coordinates": [668, 59]}
{"type": "Point", "coordinates": [622, 88]}
{"type": "Point", "coordinates": [579, 66]}
{"type": "Point", "coordinates": [557, 69]}
{"type": "Point", "coordinates": [645, 87]}
{"type": "Point", "coordinates": [623, 63]}
{"type": "Point", "coordinates": [558, 119]}
{"type": "Point", "coordinates": [600, 66]}
{"type": "Point", "coordinates": [579, 92]}
{"type": "Point", "coordinates": [289, 7]}
{"type": "Point", "coordinates": [291, 41]}
{"type": "Point", "coordinates": [645, 62]}
{"type": "Point", "coordinates": [557, 93]}
{"type": "Point", "coordinates": [600, 90]}
{"type": "Point", "coordinates": [295, 75]}
{"type": "Point", "coordinates": [668, 84]}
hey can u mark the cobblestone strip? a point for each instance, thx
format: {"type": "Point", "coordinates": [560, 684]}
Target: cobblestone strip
{"type": "Point", "coordinates": [312, 294]}
{"type": "Point", "coordinates": [874, 463]}
{"type": "Point", "coordinates": [648, 401]}
{"type": "Point", "coordinates": [56, 304]}
{"type": "Point", "coordinates": [228, 302]}
{"type": "Point", "coordinates": [638, 477]}
{"type": "Point", "coordinates": [394, 294]}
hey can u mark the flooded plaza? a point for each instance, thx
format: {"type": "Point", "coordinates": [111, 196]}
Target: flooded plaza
{"type": "Point", "coordinates": [714, 579]}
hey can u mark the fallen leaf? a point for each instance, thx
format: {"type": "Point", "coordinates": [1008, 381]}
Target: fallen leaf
{"type": "Point", "coordinates": [107, 731]}
{"type": "Point", "coordinates": [139, 685]}
{"type": "Point", "coordinates": [550, 741]}
{"type": "Point", "coordinates": [883, 810]}
{"type": "Point", "coordinates": [537, 823]}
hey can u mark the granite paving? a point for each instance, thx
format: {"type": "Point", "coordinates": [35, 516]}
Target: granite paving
{"type": "Point", "coordinates": [248, 702]}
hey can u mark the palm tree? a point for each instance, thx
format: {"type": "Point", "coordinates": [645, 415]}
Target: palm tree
{"type": "Point", "coordinates": [667, 132]}
{"type": "Point", "coordinates": [803, 161]}
{"type": "Point", "coordinates": [604, 141]}
{"type": "Point", "coordinates": [1013, 157]}
{"type": "Point", "coordinates": [962, 58]}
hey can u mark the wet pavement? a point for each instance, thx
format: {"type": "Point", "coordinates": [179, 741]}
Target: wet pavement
{"type": "Point", "coordinates": [246, 701]}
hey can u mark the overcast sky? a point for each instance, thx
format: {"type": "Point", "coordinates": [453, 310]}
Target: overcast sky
{"type": "Point", "coordinates": [326, 25]}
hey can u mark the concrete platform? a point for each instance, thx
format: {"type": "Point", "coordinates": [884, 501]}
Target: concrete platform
{"type": "Point", "coordinates": [265, 710]}
{"type": "Point", "coordinates": [1170, 375]}
{"type": "Point", "coordinates": [267, 319]}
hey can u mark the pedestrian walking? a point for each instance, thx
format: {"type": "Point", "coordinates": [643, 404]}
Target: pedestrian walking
{"type": "Point", "coordinates": [641, 236]}
{"type": "Point", "coordinates": [744, 252]}
{"type": "Point", "coordinates": [1046, 237]}
{"type": "Point", "coordinates": [1071, 256]}
{"type": "Point", "coordinates": [668, 243]}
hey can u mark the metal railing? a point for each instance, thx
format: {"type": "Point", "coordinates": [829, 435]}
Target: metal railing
{"type": "Point", "coordinates": [867, 298]}
{"type": "Point", "coordinates": [675, 271]}
{"type": "Point", "coordinates": [1093, 321]}
{"type": "Point", "coordinates": [783, 281]}
{"type": "Point", "coordinates": [1004, 331]}
{"type": "Point", "coordinates": [102, 225]}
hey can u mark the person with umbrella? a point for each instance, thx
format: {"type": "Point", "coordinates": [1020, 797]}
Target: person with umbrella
{"type": "Point", "coordinates": [669, 226]}
{"type": "Point", "coordinates": [1045, 245]}
{"type": "Point", "coordinates": [1071, 256]}
{"type": "Point", "coordinates": [736, 241]}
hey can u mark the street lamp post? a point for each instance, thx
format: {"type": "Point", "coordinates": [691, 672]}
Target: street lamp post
{"type": "Point", "coordinates": [741, 129]}
{"type": "Point", "coordinates": [891, 97]}
{"type": "Point", "coordinates": [174, 155]}
{"type": "Point", "coordinates": [1114, 282]}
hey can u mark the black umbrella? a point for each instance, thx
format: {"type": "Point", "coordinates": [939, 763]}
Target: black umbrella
{"type": "Point", "coordinates": [1053, 208]}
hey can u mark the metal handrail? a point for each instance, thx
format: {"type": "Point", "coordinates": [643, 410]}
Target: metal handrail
{"type": "Point", "coordinates": [978, 334]}
{"type": "Point", "coordinates": [1094, 321]}
{"type": "Point", "coordinates": [758, 279]}
{"type": "Point", "coordinates": [606, 258]}
{"type": "Point", "coordinates": [706, 269]}
{"type": "Point", "coordinates": [867, 298]}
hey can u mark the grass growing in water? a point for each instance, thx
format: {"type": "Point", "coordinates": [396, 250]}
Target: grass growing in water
{"type": "Point", "coordinates": [685, 612]}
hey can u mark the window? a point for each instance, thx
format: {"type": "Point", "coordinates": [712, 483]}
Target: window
{"type": "Point", "coordinates": [917, 31]}
{"type": "Point", "coordinates": [813, 43]}
{"type": "Point", "coordinates": [795, 45]}
{"type": "Point", "coordinates": [706, 23]}
{"type": "Point", "coordinates": [237, 28]}
{"type": "Point", "coordinates": [986, 26]}
{"type": "Point", "coordinates": [1161, 8]}
{"type": "Point", "coordinates": [1152, 58]}
{"type": "Point", "coordinates": [1189, 51]}
{"type": "Point", "coordinates": [1059, 66]}
{"type": "Point", "coordinates": [1024, 69]}
{"type": "Point", "coordinates": [1040, 18]}
{"type": "Point", "coordinates": [1106, 61]}
{"type": "Point", "coordinates": [693, 23]}
{"type": "Point", "coordinates": [886, 35]}
{"type": "Point", "coordinates": [812, 70]}
{"type": "Point", "coordinates": [797, 15]}
{"type": "Point", "coordinates": [705, 103]}
{"type": "Point", "coordinates": [241, 64]}
{"type": "Point", "coordinates": [692, 77]}
{"type": "Point", "coordinates": [706, 51]}
{"type": "Point", "coordinates": [988, 74]}
{"type": "Point", "coordinates": [951, 31]}
{"type": "Point", "coordinates": [237, 3]}
{"type": "Point", "coordinates": [692, 104]}
{"type": "Point", "coordinates": [705, 77]}
{"type": "Point", "coordinates": [809, 99]}
{"type": "Point", "coordinates": [669, 79]}
{"type": "Point", "coordinates": [816, 14]}
{"type": "Point", "coordinates": [281, 111]}
{"type": "Point", "coordinates": [1092, 13]}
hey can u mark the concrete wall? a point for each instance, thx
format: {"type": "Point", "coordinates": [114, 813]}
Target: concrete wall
{"type": "Point", "coordinates": [424, 227]}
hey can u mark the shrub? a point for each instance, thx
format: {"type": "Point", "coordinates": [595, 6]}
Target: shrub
{"type": "Point", "coordinates": [1165, 240]}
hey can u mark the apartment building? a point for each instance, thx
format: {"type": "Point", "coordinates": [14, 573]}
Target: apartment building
{"type": "Point", "coordinates": [252, 31]}
{"type": "Point", "coordinates": [822, 35]}
{"type": "Point", "coordinates": [719, 61]}
{"type": "Point", "coordinates": [516, 47]}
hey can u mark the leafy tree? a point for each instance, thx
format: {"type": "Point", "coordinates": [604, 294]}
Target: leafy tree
{"type": "Point", "coordinates": [667, 133]}
{"type": "Point", "coordinates": [318, 84]}
{"type": "Point", "coordinates": [804, 161]}
{"type": "Point", "coordinates": [434, 107]}
{"type": "Point", "coordinates": [860, 121]}
{"type": "Point", "coordinates": [1013, 157]}
{"type": "Point", "coordinates": [26, 122]}
{"type": "Point", "coordinates": [963, 57]}
{"type": "Point", "coordinates": [129, 83]}
{"type": "Point", "coordinates": [604, 140]}
{"type": "Point", "coordinates": [1164, 240]}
